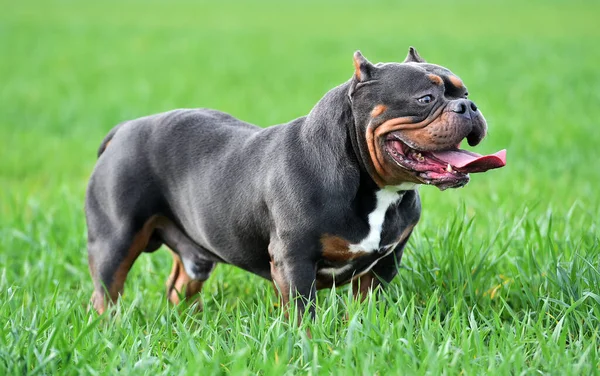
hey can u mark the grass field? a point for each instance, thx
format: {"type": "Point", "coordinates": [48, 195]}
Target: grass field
{"type": "Point", "coordinates": [501, 277]}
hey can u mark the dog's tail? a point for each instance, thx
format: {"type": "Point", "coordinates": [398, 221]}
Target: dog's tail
{"type": "Point", "coordinates": [108, 138]}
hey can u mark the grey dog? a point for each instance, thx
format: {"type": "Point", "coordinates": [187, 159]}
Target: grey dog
{"type": "Point", "coordinates": [326, 199]}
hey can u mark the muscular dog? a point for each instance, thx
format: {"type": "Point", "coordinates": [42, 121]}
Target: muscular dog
{"type": "Point", "coordinates": [327, 199]}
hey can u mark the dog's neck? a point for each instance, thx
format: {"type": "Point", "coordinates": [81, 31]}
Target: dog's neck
{"type": "Point", "coordinates": [331, 117]}
{"type": "Point", "coordinates": [332, 122]}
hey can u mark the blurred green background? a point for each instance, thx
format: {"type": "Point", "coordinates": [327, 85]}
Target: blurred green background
{"type": "Point", "coordinates": [70, 71]}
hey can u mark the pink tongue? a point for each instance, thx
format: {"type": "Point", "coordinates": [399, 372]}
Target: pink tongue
{"type": "Point", "coordinates": [466, 161]}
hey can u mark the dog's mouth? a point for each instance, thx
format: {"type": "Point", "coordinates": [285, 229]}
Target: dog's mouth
{"type": "Point", "coordinates": [444, 169]}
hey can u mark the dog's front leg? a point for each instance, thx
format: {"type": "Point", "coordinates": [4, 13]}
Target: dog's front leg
{"type": "Point", "coordinates": [383, 272]}
{"type": "Point", "coordinates": [293, 274]}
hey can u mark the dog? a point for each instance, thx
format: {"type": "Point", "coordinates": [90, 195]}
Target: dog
{"type": "Point", "coordinates": [327, 199]}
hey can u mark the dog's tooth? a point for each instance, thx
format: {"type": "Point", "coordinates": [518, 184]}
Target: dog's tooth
{"type": "Point", "coordinates": [449, 168]}
{"type": "Point", "coordinates": [420, 158]}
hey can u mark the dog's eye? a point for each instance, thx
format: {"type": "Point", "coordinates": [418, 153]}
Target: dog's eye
{"type": "Point", "coordinates": [425, 99]}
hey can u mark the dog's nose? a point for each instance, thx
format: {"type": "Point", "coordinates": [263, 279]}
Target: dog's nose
{"type": "Point", "coordinates": [463, 107]}
{"type": "Point", "coordinates": [474, 124]}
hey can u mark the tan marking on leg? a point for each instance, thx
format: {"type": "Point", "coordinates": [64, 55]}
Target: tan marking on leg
{"type": "Point", "coordinates": [173, 277]}
{"type": "Point", "coordinates": [282, 288]}
{"type": "Point", "coordinates": [280, 283]}
{"type": "Point", "coordinates": [139, 243]}
{"type": "Point", "coordinates": [378, 110]}
{"type": "Point", "coordinates": [180, 283]}
{"type": "Point", "coordinates": [363, 284]}
{"type": "Point", "coordinates": [98, 301]}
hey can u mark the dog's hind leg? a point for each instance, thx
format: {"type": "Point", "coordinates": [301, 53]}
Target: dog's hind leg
{"type": "Point", "coordinates": [180, 286]}
{"type": "Point", "coordinates": [112, 256]}
{"type": "Point", "coordinates": [192, 264]}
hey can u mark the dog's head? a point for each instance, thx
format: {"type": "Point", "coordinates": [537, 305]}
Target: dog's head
{"type": "Point", "coordinates": [412, 117]}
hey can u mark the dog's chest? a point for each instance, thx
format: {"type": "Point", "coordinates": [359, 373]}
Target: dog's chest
{"type": "Point", "coordinates": [384, 199]}
{"type": "Point", "coordinates": [343, 260]}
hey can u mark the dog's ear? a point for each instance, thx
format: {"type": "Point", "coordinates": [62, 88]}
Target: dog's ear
{"type": "Point", "coordinates": [363, 69]}
{"type": "Point", "coordinates": [413, 56]}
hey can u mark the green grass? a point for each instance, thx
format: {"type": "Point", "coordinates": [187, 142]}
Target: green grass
{"type": "Point", "coordinates": [501, 277]}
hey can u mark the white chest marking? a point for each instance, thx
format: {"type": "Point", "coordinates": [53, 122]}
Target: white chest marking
{"type": "Point", "coordinates": [407, 186]}
{"type": "Point", "coordinates": [335, 271]}
{"type": "Point", "coordinates": [384, 198]}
